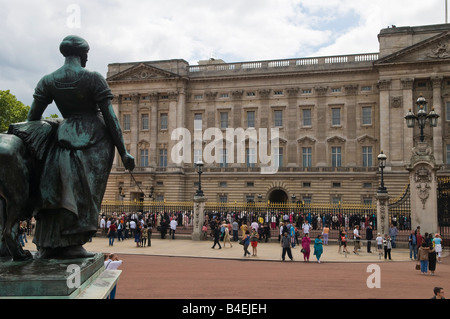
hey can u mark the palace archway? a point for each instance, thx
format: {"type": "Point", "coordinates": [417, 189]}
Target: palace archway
{"type": "Point", "coordinates": [278, 196]}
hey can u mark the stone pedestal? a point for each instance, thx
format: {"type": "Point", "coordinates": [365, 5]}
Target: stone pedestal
{"type": "Point", "coordinates": [382, 213]}
{"type": "Point", "coordinates": [423, 186]}
{"type": "Point", "coordinates": [56, 279]}
{"type": "Point", "coordinates": [199, 217]}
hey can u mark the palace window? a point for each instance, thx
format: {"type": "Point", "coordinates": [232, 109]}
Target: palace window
{"type": "Point", "coordinates": [367, 115]}
{"type": "Point", "coordinates": [336, 156]}
{"type": "Point", "coordinates": [307, 121]}
{"type": "Point", "coordinates": [144, 122]}
{"type": "Point", "coordinates": [251, 119]}
{"type": "Point", "coordinates": [307, 156]}
{"type": "Point", "coordinates": [367, 156]}
{"type": "Point", "coordinates": [163, 157]}
{"type": "Point", "coordinates": [335, 116]}
{"type": "Point", "coordinates": [223, 198]}
{"type": "Point", "coordinates": [126, 122]}
{"type": "Point", "coordinates": [223, 120]}
{"type": "Point", "coordinates": [163, 121]}
{"type": "Point", "coordinates": [144, 158]}
{"type": "Point", "coordinates": [278, 118]}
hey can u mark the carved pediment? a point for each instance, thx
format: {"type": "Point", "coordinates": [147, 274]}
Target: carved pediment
{"type": "Point", "coordinates": [434, 49]}
{"type": "Point", "coordinates": [366, 139]}
{"type": "Point", "coordinates": [336, 139]}
{"type": "Point", "coordinates": [141, 72]}
{"type": "Point", "coordinates": [306, 139]}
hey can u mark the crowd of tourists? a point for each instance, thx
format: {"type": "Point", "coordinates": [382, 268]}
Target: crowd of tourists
{"type": "Point", "coordinates": [250, 230]}
{"type": "Point", "coordinates": [426, 249]}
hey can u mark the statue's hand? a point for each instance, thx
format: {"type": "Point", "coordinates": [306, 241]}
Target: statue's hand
{"type": "Point", "coordinates": [128, 161]}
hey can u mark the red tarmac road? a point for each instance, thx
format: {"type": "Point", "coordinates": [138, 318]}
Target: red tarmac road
{"type": "Point", "coordinates": [158, 277]}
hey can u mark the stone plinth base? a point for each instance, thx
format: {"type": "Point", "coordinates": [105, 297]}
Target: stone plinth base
{"type": "Point", "coordinates": [55, 278]}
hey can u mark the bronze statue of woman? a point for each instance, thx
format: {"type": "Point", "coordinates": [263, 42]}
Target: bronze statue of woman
{"type": "Point", "coordinates": [72, 157]}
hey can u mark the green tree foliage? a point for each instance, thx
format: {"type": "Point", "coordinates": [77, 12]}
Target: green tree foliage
{"type": "Point", "coordinates": [11, 110]}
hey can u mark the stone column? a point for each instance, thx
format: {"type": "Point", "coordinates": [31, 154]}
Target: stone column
{"type": "Point", "coordinates": [382, 213]}
{"type": "Point", "coordinates": [199, 217]}
{"type": "Point", "coordinates": [153, 152]}
{"type": "Point", "coordinates": [384, 86]}
{"type": "Point", "coordinates": [423, 185]}
{"type": "Point", "coordinates": [135, 125]}
{"type": "Point", "coordinates": [437, 131]}
{"type": "Point", "coordinates": [292, 124]}
{"type": "Point", "coordinates": [408, 103]}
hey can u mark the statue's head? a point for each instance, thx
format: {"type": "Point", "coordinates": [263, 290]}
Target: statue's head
{"type": "Point", "coordinates": [73, 45]}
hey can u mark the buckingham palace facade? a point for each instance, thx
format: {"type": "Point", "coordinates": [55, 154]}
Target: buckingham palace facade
{"type": "Point", "coordinates": [331, 117]}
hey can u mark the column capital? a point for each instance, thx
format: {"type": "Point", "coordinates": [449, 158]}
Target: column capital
{"type": "Point", "coordinates": [384, 85]}
{"type": "Point", "coordinates": [407, 83]}
{"type": "Point", "coordinates": [437, 82]}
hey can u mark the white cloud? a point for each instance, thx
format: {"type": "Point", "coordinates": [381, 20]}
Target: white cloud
{"type": "Point", "coordinates": [233, 30]}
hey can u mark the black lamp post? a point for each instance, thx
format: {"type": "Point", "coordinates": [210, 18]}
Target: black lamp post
{"type": "Point", "coordinates": [199, 165]}
{"type": "Point", "coordinates": [421, 117]}
{"type": "Point", "coordinates": [382, 164]}
{"type": "Point", "coordinates": [293, 197]}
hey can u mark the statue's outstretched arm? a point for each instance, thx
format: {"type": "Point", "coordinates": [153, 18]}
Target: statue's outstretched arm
{"type": "Point", "coordinates": [113, 125]}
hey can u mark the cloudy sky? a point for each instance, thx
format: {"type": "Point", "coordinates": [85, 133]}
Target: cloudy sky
{"type": "Point", "coordinates": [193, 30]}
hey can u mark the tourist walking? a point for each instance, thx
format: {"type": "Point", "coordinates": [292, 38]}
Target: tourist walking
{"type": "Point", "coordinates": [246, 242]}
{"type": "Point", "coordinates": [344, 242]}
{"type": "Point", "coordinates": [438, 246]}
{"type": "Point", "coordinates": [379, 240]}
{"type": "Point", "coordinates": [387, 243]}
{"type": "Point", "coordinates": [306, 247]}
{"type": "Point", "coordinates": [112, 233]}
{"type": "Point", "coordinates": [393, 232]}
{"type": "Point", "coordinates": [286, 246]}
{"type": "Point", "coordinates": [103, 226]}
{"type": "Point", "coordinates": [120, 227]}
{"type": "Point", "coordinates": [144, 235]}
{"type": "Point", "coordinates": [318, 247]}
{"type": "Point", "coordinates": [412, 243]}
{"type": "Point", "coordinates": [369, 237]}
{"type": "Point", "coordinates": [325, 233]}
{"type": "Point", "coordinates": [306, 227]}
{"type": "Point", "coordinates": [235, 227]}
{"type": "Point", "coordinates": [226, 237]}
{"type": "Point", "coordinates": [216, 237]}
{"type": "Point", "coordinates": [357, 239]}
{"type": "Point", "coordinates": [137, 235]}
{"type": "Point", "coordinates": [254, 241]}
{"type": "Point", "coordinates": [173, 227]}
{"type": "Point", "coordinates": [292, 234]}
{"type": "Point", "coordinates": [163, 227]}
{"type": "Point", "coordinates": [432, 259]}
{"type": "Point", "coordinates": [423, 258]}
